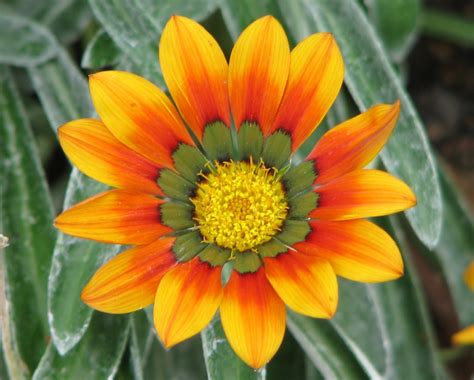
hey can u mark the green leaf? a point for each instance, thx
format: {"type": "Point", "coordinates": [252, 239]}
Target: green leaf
{"type": "Point", "coordinates": [371, 80]}
{"type": "Point", "coordinates": [98, 355]}
{"type": "Point", "coordinates": [27, 214]}
{"type": "Point", "coordinates": [22, 41]}
{"type": "Point", "coordinates": [151, 361]}
{"type": "Point", "coordinates": [74, 262]}
{"type": "Point", "coordinates": [455, 249]}
{"type": "Point", "coordinates": [62, 90]}
{"type": "Point", "coordinates": [134, 33]}
{"type": "Point", "coordinates": [325, 348]}
{"type": "Point", "coordinates": [396, 23]}
{"type": "Point", "coordinates": [100, 52]}
{"type": "Point", "coordinates": [238, 14]}
{"type": "Point", "coordinates": [63, 93]}
{"type": "Point", "coordinates": [221, 361]}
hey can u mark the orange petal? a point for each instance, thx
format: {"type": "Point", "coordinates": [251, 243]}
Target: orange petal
{"type": "Point", "coordinates": [186, 301]}
{"type": "Point", "coordinates": [116, 216]}
{"type": "Point", "coordinates": [354, 143]}
{"type": "Point", "coordinates": [469, 276]}
{"type": "Point", "coordinates": [316, 74]}
{"type": "Point", "coordinates": [129, 281]}
{"type": "Point", "coordinates": [138, 114]}
{"type": "Point", "coordinates": [464, 337]}
{"type": "Point", "coordinates": [96, 152]}
{"type": "Point", "coordinates": [195, 71]}
{"type": "Point", "coordinates": [307, 284]}
{"type": "Point", "coordinates": [361, 194]}
{"type": "Point", "coordinates": [258, 72]}
{"type": "Point", "coordinates": [253, 317]}
{"type": "Point", "coordinates": [357, 249]}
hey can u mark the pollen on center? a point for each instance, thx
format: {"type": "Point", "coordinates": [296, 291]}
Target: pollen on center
{"type": "Point", "coordinates": [240, 205]}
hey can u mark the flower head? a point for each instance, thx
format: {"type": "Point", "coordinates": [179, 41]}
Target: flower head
{"type": "Point", "coordinates": [212, 181]}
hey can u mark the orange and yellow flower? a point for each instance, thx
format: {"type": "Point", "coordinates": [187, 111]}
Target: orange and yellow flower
{"type": "Point", "coordinates": [208, 181]}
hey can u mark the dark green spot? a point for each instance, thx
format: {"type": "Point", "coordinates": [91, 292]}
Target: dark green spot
{"type": "Point", "coordinates": [302, 205]}
{"type": "Point", "coordinates": [215, 255]}
{"type": "Point", "coordinates": [276, 149]}
{"type": "Point", "coordinates": [250, 141]}
{"type": "Point", "coordinates": [271, 248]}
{"type": "Point", "coordinates": [217, 141]}
{"type": "Point", "coordinates": [189, 161]}
{"type": "Point", "coordinates": [177, 215]}
{"type": "Point", "coordinates": [293, 231]}
{"type": "Point", "coordinates": [188, 245]}
{"type": "Point", "coordinates": [299, 178]}
{"type": "Point", "coordinates": [247, 262]}
{"type": "Point", "coordinates": [175, 186]}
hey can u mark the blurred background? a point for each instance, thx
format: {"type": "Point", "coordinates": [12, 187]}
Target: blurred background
{"type": "Point", "coordinates": [48, 47]}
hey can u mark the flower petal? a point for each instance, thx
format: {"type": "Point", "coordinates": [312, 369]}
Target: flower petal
{"type": "Point", "coordinates": [195, 71]}
{"type": "Point", "coordinates": [354, 143]}
{"type": "Point", "coordinates": [258, 72]}
{"type": "Point", "coordinates": [139, 114]}
{"type": "Point", "coordinates": [307, 284]}
{"type": "Point", "coordinates": [361, 194]}
{"type": "Point", "coordinates": [357, 249]}
{"type": "Point", "coordinates": [129, 281]}
{"type": "Point", "coordinates": [316, 74]}
{"type": "Point", "coordinates": [469, 276]}
{"type": "Point", "coordinates": [97, 153]}
{"type": "Point", "coordinates": [186, 301]}
{"type": "Point", "coordinates": [464, 337]}
{"type": "Point", "coordinates": [116, 216]}
{"type": "Point", "coordinates": [253, 317]}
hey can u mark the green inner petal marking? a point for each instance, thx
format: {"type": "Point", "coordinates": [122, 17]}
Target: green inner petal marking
{"type": "Point", "coordinates": [247, 262]}
{"type": "Point", "coordinates": [250, 141]}
{"type": "Point", "coordinates": [272, 248]}
{"type": "Point", "coordinates": [217, 141]}
{"type": "Point", "coordinates": [188, 245]}
{"type": "Point", "coordinates": [299, 178]}
{"type": "Point", "coordinates": [215, 255]}
{"type": "Point", "coordinates": [276, 149]}
{"type": "Point", "coordinates": [175, 186]}
{"type": "Point", "coordinates": [293, 231]}
{"type": "Point", "coordinates": [189, 161]}
{"type": "Point", "coordinates": [302, 205]}
{"type": "Point", "coordinates": [177, 215]}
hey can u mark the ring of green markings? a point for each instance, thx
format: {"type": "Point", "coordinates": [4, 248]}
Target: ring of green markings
{"type": "Point", "coordinates": [222, 146]}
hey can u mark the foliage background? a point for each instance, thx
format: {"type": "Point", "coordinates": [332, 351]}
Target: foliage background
{"type": "Point", "coordinates": [397, 330]}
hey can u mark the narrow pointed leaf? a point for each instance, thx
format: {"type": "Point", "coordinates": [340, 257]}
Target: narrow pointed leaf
{"type": "Point", "coordinates": [98, 355]}
{"type": "Point", "coordinates": [27, 215]}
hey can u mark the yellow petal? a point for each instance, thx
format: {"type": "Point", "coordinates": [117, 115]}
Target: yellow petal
{"type": "Point", "coordinates": [195, 71]}
{"type": "Point", "coordinates": [97, 153]}
{"type": "Point", "coordinates": [464, 337]}
{"type": "Point", "coordinates": [469, 276]}
{"type": "Point", "coordinates": [138, 114]}
{"type": "Point", "coordinates": [187, 299]}
{"type": "Point", "coordinates": [357, 249]}
{"type": "Point", "coordinates": [362, 194]}
{"type": "Point", "coordinates": [253, 317]}
{"type": "Point", "coordinates": [116, 216]}
{"type": "Point", "coordinates": [129, 281]}
{"type": "Point", "coordinates": [258, 72]}
{"type": "Point", "coordinates": [354, 143]}
{"type": "Point", "coordinates": [307, 284]}
{"type": "Point", "coordinates": [316, 74]}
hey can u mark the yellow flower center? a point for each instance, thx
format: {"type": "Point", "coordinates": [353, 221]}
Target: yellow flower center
{"type": "Point", "coordinates": [240, 205]}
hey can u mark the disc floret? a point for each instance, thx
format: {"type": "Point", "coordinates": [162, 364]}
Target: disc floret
{"type": "Point", "coordinates": [240, 205]}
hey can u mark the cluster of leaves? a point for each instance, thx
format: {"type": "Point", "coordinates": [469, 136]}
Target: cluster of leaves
{"type": "Point", "coordinates": [380, 331]}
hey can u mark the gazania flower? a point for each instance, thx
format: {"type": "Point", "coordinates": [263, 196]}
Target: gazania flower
{"type": "Point", "coordinates": [211, 182]}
